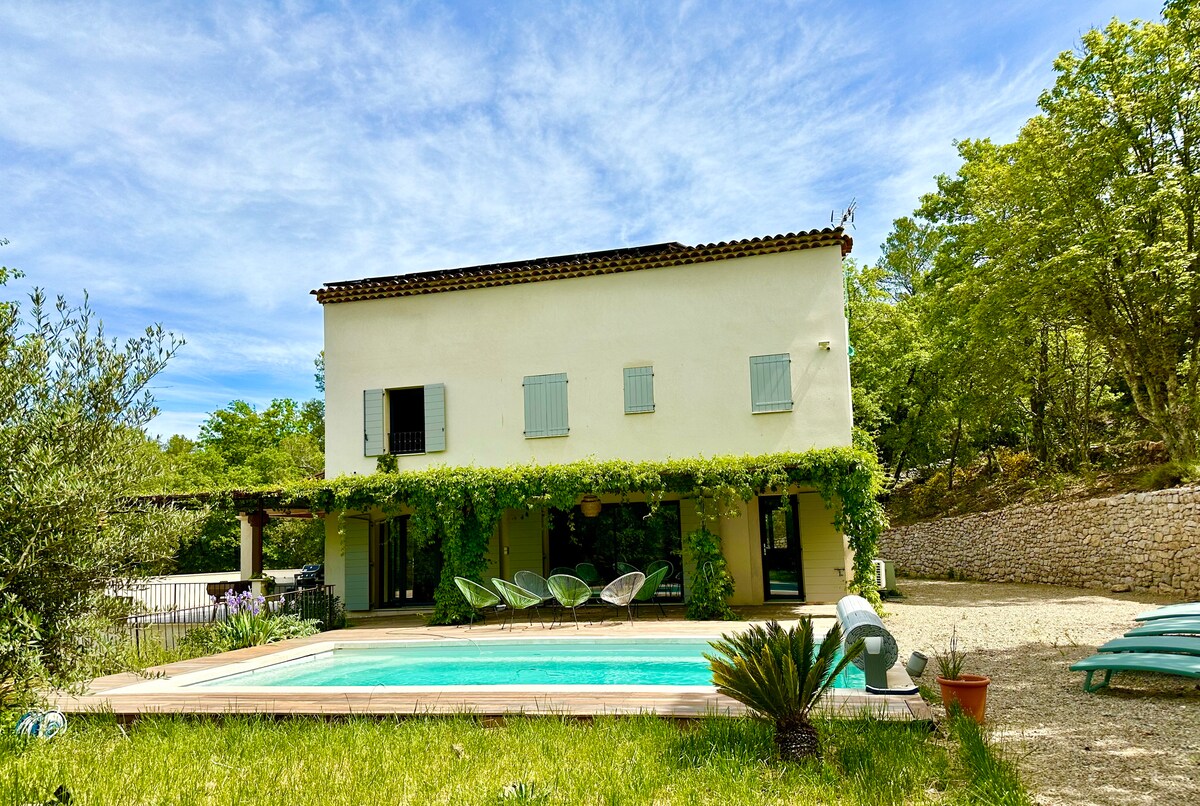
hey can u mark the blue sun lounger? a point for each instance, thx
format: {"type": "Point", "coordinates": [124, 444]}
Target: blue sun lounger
{"type": "Point", "coordinates": [1159, 662]}
{"type": "Point", "coordinates": [1186, 666]}
{"type": "Point", "coordinates": [1184, 610]}
{"type": "Point", "coordinates": [1167, 626]}
{"type": "Point", "coordinates": [1174, 644]}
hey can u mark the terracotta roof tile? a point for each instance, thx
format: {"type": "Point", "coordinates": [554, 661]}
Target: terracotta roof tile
{"type": "Point", "coordinates": [610, 261]}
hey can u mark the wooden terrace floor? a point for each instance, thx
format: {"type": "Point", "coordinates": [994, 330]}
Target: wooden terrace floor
{"type": "Point", "coordinates": [104, 694]}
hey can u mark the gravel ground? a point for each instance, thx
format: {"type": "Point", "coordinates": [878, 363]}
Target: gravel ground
{"type": "Point", "coordinates": [1137, 742]}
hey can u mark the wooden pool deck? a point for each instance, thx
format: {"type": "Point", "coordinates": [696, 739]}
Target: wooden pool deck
{"type": "Point", "coordinates": [112, 694]}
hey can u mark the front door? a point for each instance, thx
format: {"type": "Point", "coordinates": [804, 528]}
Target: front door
{"type": "Point", "coordinates": [783, 574]}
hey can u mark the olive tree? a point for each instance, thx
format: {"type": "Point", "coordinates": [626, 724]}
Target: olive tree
{"type": "Point", "coordinates": [72, 407]}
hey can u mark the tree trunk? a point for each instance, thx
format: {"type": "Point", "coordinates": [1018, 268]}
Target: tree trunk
{"type": "Point", "coordinates": [797, 741]}
{"type": "Point", "coordinates": [954, 453]}
{"type": "Point", "coordinates": [1039, 397]}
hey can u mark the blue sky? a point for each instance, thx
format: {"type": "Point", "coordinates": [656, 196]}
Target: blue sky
{"type": "Point", "coordinates": [205, 165]}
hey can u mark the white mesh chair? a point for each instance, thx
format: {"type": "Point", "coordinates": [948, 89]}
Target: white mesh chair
{"type": "Point", "coordinates": [569, 591]}
{"type": "Point", "coordinates": [534, 583]}
{"type": "Point", "coordinates": [620, 592]}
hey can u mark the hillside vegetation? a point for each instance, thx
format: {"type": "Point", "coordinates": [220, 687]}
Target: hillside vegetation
{"type": "Point", "coordinates": [1035, 324]}
{"type": "Point", "coordinates": [1006, 478]}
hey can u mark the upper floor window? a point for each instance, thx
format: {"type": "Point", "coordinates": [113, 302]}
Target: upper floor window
{"type": "Point", "coordinates": [546, 405]}
{"type": "Point", "coordinates": [770, 383]}
{"type": "Point", "coordinates": [639, 390]}
{"type": "Point", "coordinates": [408, 420]}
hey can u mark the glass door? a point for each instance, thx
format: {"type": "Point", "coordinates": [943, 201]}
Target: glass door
{"type": "Point", "coordinates": [779, 528]}
{"type": "Point", "coordinates": [391, 562]}
{"type": "Point", "coordinates": [407, 571]}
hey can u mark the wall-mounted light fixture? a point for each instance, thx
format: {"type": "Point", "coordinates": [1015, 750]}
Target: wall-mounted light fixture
{"type": "Point", "coordinates": [824, 345]}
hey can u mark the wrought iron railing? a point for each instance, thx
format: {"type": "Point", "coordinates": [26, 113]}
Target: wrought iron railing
{"type": "Point", "coordinates": [406, 442]}
{"type": "Point", "coordinates": [168, 623]}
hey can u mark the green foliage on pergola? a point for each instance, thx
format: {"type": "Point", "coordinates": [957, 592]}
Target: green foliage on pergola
{"type": "Point", "coordinates": [461, 506]}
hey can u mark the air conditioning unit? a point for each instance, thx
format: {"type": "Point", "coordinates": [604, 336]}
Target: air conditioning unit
{"type": "Point", "coordinates": [885, 575]}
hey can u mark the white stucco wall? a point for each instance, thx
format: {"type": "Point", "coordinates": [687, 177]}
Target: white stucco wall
{"type": "Point", "coordinates": [697, 325]}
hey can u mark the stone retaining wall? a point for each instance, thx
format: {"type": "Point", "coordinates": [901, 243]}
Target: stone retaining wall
{"type": "Point", "coordinates": [1137, 541]}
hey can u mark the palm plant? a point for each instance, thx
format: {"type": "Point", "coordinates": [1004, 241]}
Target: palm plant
{"type": "Point", "coordinates": [780, 674]}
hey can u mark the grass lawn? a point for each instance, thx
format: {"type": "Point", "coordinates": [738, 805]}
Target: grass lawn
{"type": "Point", "coordinates": [619, 760]}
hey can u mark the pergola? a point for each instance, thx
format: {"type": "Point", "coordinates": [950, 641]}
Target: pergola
{"type": "Point", "coordinates": [255, 509]}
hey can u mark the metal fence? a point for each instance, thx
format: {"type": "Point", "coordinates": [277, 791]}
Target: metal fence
{"type": "Point", "coordinates": [164, 618]}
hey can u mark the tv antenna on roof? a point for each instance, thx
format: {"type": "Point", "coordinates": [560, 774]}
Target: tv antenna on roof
{"type": "Point", "coordinates": [847, 216]}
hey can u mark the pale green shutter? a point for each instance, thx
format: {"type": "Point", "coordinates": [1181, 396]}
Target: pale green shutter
{"type": "Point", "coordinates": [639, 389]}
{"type": "Point", "coordinates": [373, 430]}
{"type": "Point", "coordinates": [770, 383]}
{"type": "Point", "coordinates": [358, 567]}
{"type": "Point", "coordinates": [546, 405]}
{"type": "Point", "coordinates": [435, 417]}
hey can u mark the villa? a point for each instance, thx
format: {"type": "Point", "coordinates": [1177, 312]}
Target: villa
{"type": "Point", "coordinates": [645, 353]}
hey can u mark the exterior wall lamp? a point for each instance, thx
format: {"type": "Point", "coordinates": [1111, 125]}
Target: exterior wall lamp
{"type": "Point", "coordinates": [824, 345]}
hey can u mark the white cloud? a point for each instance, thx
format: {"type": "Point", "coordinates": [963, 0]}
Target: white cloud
{"type": "Point", "coordinates": [207, 166]}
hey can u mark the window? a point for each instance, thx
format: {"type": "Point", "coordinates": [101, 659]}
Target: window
{"type": "Point", "coordinates": [639, 390]}
{"type": "Point", "coordinates": [546, 405]}
{"type": "Point", "coordinates": [403, 421]}
{"type": "Point", "coordinates": [770, 383]}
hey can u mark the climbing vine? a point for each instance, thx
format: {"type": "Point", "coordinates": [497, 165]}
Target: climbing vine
{"type": "Point", "coordinates": [712, 585]}
{"type": "Point", "coordinates": [460, 507]}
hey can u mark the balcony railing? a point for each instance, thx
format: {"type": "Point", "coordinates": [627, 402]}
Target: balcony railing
{"type": "Point", "coordinates": [406, 442]}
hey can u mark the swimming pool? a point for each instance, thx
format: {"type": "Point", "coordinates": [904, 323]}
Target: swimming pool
{"type": "Point", "coordinates": [554, 663]}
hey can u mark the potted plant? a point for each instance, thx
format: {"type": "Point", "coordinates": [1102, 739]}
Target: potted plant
{"type": "Point", "coordinates": [967, 691]}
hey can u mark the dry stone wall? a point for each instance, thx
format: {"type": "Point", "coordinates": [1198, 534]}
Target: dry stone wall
{"type": "Point", "coordinates": [1137, 541]}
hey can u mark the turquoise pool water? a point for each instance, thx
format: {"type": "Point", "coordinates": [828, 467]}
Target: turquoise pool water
{"type": "Point", "coordinates": [623, 662]}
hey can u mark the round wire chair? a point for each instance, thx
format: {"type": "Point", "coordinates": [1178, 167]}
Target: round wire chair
{"type": "Point", "coordinates": [534, 583]}
{"type": "Point", "coordinates": [620, 592]}
{"type": "Point", "coordinates": [656, 564]}
{"type": "Point", "coordinates": [570, 591]}
{"type": "Point", "coordinates": [518, 599]}
{"type": "Point", "coordinates": [588, 573]}
{"type": "Point", "coordinates": [479, 597]}
{"type": "Point", "coordinates": [650, 588]}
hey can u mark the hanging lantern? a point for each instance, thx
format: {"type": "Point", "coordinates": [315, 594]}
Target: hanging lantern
{"type": "Point", "coordinates": [589, 505]}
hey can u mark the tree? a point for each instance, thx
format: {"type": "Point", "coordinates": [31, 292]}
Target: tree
{"type": "Point", "coordinates": [72, 450]}
{"type": "Point", "coordinates": [1118, 155]}
{"type": "Point", "coordinates": [1047, 296]}
{"type": "Point", "coordinates": [242, 447]}
{"type": "Point", "coordinates": [1090, 218]}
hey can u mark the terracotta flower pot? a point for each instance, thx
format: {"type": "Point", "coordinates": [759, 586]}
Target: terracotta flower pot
{"type": "Point", "coordinates": [969, 691]}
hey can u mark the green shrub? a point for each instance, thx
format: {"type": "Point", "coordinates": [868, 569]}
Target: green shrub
{"type": "Point", "coordinates": [248, 623]}
{"type": "Point", "coordinates": [1015, 464]}
{"type": "Point", "coordinates": [318, 605]}
{"type": "Point", "coordinates": [1171, 474]}
{"type": "Point", "coordinates": [712, 584]}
